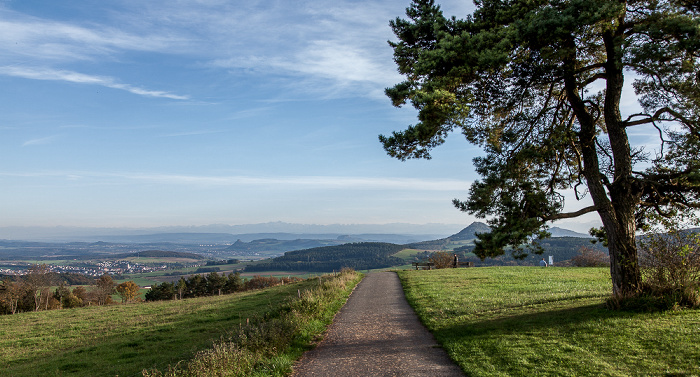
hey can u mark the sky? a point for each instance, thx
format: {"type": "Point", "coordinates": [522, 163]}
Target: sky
{"type": "Point", "coordinates": [132, 113]}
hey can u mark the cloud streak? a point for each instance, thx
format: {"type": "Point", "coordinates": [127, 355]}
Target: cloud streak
{"type": "Point", "coordinates": [80, 78]}
{"type": "Point", "coordinates": [306, 182]}
{"type": "Point", "coordinates": [336, 47]}
{"type": "Point", "coordinates": [40, 141]}
{"type": "Point", "coordinates": [23, 37]}
{"type": "Point", "coordinates": [326, 182]}
{"type": "Point", "coordinates": [330, 47]}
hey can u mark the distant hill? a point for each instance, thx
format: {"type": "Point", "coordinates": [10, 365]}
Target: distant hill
{"type": "Point", "coordinates": [186, 238]}
{"type": "Point", "coordinates": [280, 244]}
{"type": "Point", "coordinates": [466, 234]}
{"type": "Point", "coordinates": [275, 245]}
{"type": "Point", "coordinates": [560, 232]}
{"type": "Point", "coordinates": [359, 256]}
{"type": "Point", "coordinates": [179, 238]}
{"type": "Point", "coordinates": [230, 233]}
{"type": "Point", "coordinates": [470, 232]}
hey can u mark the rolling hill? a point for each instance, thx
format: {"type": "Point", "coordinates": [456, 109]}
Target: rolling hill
{"type": "Point", "coordinates": [359, 256]}
{"type": "Point", "coordinates": [369, 255]}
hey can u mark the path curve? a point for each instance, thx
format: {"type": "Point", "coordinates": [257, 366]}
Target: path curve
{"type": "Point", "coordinates": [377, 333]}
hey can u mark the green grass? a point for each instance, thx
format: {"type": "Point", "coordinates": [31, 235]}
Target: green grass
{"type": "Point", "coordinates": [531, 321]}
{"type": "Point", "coordinates": [455, 244]}
{"type": "Point", "coordinates": [407, 254]}
{"type": "Point", "coordinates": [125, 339]}
{"type": "Point", "coordinates": [269, 347]}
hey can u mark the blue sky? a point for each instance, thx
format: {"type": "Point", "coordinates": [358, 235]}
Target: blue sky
{"type": "Point", "coordinates": [136, 113]}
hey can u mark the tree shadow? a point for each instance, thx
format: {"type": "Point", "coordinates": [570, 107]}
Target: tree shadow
{"type": "Point", "coordinates": [535, 319]}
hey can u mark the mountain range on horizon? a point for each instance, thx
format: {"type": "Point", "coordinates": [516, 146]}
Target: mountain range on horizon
{"type": "Point", "coordinates": [247, 232]}
{"type": "Point", "coordinates": [267, 230]}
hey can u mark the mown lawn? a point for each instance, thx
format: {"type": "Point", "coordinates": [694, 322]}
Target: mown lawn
{"type": "Point", "coordinates": [532, 321]}
{"type": "Point", "coordinates": [125, 339]}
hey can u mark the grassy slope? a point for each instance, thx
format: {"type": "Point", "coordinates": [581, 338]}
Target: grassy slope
{"type": "Point", "coordinates": [407, 254]}
{"type": "Point", "coordinates": [124, 339]}
{"type": "Point", "coordinates": [522, 321]}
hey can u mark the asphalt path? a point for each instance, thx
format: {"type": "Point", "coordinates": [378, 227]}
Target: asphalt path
{"type": "Point", "coordinates": [377, 333]}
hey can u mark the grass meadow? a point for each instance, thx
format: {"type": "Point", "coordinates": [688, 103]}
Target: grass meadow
{"type": "Point", "coordinates": [124, 340]}
{"type": "Point", "coordinates": [532, 321]}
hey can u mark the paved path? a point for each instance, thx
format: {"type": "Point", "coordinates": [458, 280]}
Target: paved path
{"type": "Point", "coordinates": [377, 333]}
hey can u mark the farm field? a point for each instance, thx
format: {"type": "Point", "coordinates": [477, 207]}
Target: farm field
{"type": "Point", "coordinates": [126, 339]}
{"type": "Point", "coordinates": [523, 321]}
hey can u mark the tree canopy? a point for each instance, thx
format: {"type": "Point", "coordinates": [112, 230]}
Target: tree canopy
{"type": "Point", "coordinates": [538, 85]}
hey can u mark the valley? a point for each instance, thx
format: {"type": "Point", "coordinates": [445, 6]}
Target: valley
{"type": "Point", "coordinates": [149, 259]}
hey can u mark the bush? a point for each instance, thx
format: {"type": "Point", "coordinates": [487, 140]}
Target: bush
{"type": "Point", "coordinates": [71, 301]}
{"type": "Point", "coordinates": [670, 266]}
{"type": "Point", "coordinates": [442, 259]}
{"type": "Point", "coordinates": [589, 257]}
{"type": "Point", "coordinates": [652, 299]}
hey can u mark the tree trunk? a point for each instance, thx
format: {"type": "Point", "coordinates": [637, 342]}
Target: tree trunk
{"type": "Point", "coordinates": [624, 264]}
{"type": "Point", "coordinates": [617, 210]}
{"type": "Point", "coordinates": [624, 199]}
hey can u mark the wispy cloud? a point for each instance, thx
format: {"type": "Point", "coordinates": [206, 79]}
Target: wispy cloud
{"type": "Point", "coordinates": [321, 182]}
{"type": "Point", "coordinates": [40, 141]}
{"type": "Point", "coordinates": [332, 47]}
{"type": "Point", "coordinates": [23, 37]}
{"type": "Point", "coordinates": [80, 78]}
{"type": "Point", "coordinates": [194, 133]}
{"type": "Point", "coordinates": [306, 182]}
{"type": "Point", "coordinates": [328, 46]}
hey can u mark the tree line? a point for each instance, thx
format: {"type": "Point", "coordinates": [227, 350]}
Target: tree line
{"type": "Point", "coordinates": [212, 284]}
{"type": "Point", "coordinates": [32, 292]}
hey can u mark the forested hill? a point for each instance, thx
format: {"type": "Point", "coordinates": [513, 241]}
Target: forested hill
{"type": "Point", "coordinates": [360, 256]}
{"type": "Point", "coordinates": [468, 233]}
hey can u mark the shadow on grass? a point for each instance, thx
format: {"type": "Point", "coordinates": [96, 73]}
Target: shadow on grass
{"type": "Point", "coordinates": [583, 340]}
{"type": "Point", "coordinates": [535, 319]}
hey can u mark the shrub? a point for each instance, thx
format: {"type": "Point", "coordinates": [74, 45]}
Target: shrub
{"type": "Point", "coordinates": [670, 266]}
{"type": "Point", "coordinates": [71, 301]}
{"type": "Point", "coordinates": [442, 259]}
{"type": "Point", "coordinates": [589, 257]}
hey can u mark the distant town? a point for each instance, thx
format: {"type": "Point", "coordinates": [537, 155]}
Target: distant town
{"type": "Point", "coordinates": [117, 267]}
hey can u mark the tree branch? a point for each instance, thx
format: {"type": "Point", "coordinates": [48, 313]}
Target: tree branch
{"type": "Point", "coordinates": [657, 116]}
{"type": "Point", "coordinates": [594, 78]}
{"type": "Point", "coordinates": [570, 215]}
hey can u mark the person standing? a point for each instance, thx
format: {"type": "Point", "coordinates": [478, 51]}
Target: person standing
{"type": "Point", "coordinates": [543, 263]}
{"type": "Point", "coordinates": [455, 262]}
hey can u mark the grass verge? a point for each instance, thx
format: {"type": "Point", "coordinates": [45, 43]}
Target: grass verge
{"type": "Point", "coordinates": [126, 339]}
{"type": "Point", "coordinates": [530, 321]}
{"type": "Point", "coordinates": [268, 346]}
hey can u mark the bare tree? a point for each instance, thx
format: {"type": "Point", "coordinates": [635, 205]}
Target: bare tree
{"type": "Point", "coordinates": [39, 280]}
